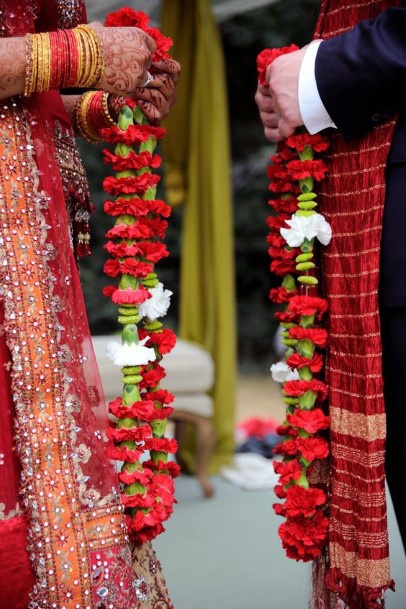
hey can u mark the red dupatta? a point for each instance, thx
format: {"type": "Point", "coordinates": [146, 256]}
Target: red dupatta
{"type": "Point", "coordinates": [352, 199]}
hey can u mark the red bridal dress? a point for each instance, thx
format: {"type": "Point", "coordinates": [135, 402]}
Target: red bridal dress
{"type": "Point", "coordinates": [63, 540]}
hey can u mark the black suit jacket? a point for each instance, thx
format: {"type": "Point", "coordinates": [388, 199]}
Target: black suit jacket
{"type": "Point", "coordinates": [361, 78]}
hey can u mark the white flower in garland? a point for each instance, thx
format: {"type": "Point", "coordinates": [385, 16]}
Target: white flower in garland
{"type": "Point", "coordinates": [130, 354]}
{"type": "Point", "coordinates": [306, 227]}
{"type": "Point", "coordinates": [158, 304]}
{"type": "Point", "coordinates": [281, 373]}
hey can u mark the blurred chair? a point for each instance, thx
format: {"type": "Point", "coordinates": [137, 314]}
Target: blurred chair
{"type": "Point", "coordinates": [189, 376]}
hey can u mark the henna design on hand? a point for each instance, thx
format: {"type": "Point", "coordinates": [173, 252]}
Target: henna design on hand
{"type": "Point", "coordinates": [115, 103]}
{"type": "Point", "coordinates": [127, 55]}
{"type": "Point", "coordinates": [157, 99]}
{"type": "Point", "coordinates": [12, 66]}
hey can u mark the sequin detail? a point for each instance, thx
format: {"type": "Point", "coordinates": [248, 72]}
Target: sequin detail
{"type": "Point", "coordinates": [69, 13]}
{"type": "Point", "coordinates": [70, 522]}
{"type": "Point", "coordinates": [19, 20]}
{"type": "Point", "coordinates": [75, 188]}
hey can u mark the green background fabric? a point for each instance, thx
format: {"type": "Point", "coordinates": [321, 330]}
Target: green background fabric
{"type": "Point", "coordinates": [198, 169]}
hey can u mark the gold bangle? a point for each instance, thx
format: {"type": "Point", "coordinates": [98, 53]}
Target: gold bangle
{"type": "Point", "coordinates": [81, 113]}
{"type": "Point", "coordinates": [91, 61]}
{"type": "Point", "coordinates": [29, 69]}
{"type": "Point", "coordinates": [44, 71]}
{"type": "Point", "coordinates": [106, 111]}
{"type": "Point", "coordinates": [38, 63]}
{"type": "Point", "coordinates": [45, 63]}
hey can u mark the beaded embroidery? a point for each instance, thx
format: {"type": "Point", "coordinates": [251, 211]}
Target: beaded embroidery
{"type": "Point", "coordinates": [21, 20]}
{"type": "Point", "coordinates": [64, 538]}
{"type": "Point", "coordinates": [69, 13]}
{"type": "Point", "coordinates": [75, 187]}
{"type": "Point", "coordinates": [18, 21]}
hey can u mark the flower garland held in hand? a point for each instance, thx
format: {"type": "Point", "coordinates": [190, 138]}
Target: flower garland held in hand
{"type": "Point", "coordinates": [135, 246]}
{"type": "Point", "coordinates": [294, 228]}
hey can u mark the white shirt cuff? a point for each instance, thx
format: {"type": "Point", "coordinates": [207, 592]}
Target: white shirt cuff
{"type": "Point", "coordinates": [314, 114]}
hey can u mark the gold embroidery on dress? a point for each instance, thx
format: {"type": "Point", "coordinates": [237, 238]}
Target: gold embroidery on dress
{"type": "Point", "coordinates": [75, 187]}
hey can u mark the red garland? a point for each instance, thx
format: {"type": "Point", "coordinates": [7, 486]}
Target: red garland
{"type": "Point", "coordinates": [292, 173]}
{"type": "Point", "coordinates": [135, 246]}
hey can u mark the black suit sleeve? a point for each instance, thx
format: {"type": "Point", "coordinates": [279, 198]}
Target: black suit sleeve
{"type": "Point", "coordinates": [361, 74]}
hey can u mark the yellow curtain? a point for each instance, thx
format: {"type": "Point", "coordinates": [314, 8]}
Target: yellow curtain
{"type": "Point", "coordinates": [197, 166]}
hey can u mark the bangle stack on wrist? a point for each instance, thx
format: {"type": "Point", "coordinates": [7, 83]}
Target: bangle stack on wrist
{"type": "Point", "coordinates": [63, 59]}
{"type": "Point", "coordinates": [92, 115]}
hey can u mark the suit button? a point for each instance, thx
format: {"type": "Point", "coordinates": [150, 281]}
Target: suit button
{"type": "Point", "coordinates": [377, 118]}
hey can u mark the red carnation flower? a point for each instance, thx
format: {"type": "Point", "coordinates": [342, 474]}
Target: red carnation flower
{"type": "Point", "coordinates": [135, 434]}
{"type": "Point", "coordinates": [298, 361]}
{"type": "Point", "coordinates": [163, 44]}
{"type": "Point", "coordinates": [156, 226]}
{"type": "Point", "coordinates": [122, 453]}
{"type": "Point", "coordinates": [142, 476]}
{"type": "Point", "coordinates": [287, 205]}
{"type": "Point", "coordinates": [281, 295]}
{"type": "Point", "coordinates": [140, 410]}
{"type": "Point", "coordinates": [308, 305]}
{"type": "Point", "coordinates": [128, 296]}
{"type": "Point", "coordinates": [318, 336]}
{"type": "Point", "coordinates": [284, 317]}
{"type": "Point", "coordinates": [159, 207]}
{"type": "Point", "coordinates": [280, 491]}
{"type": "Point", "coordinates": [283, 253]}
{"type": "Point", "coordinates": [277, 172]}
{"type": "Point", "coordinates": [153, 251]}
{"type": "Point", "coordinates": [303, 538]}
{"type": "Point", "coordinates": [137, 500]}
{"type": "Point", "coordinates": [288, 471]}
{"type": "Point", "coordinates": [297, 388]}
{"type": "Point", "coordinates": [151, 377]}
{"type": "Point", "coordinates": [121, 250]}
{"type": "Point", "coordinates": [275, 239]}
{"type": "Point", "coordinates": [287, 430]}
{"type": "Point", "coordinates": [113, 268]}
{"type": "Point", "coordinates": [132, 231]}
{"type": "Point", "coordinates": [282, 267]}
{"type": "Point", "coordinates": [136, 268]}
{"type": "Point", "coordinates": [132, 160]}
{"type": "Point", "coordinates": [144, 535]}
{"type": "Point", "coordinates": [165, 445]}
{"type": "Point", "coordinates": [313, 448]}
{"type": "Point", "coordinates": [277, 222]}
{"type": "Point", "coordinates": [164, 339]}
{"type": "Point", "coordinates": [134, 135]}
{"type": "Point", "coordinates": [137, 207]}
{"type": "Point", "coordinates": [169, 466]}
{"type": "Point", "coordinates": [130, 185]}
{"type": "Point", "coordinates": [299, 170]}
{"type": "Point", "coordinates": [311, 421]}
{"type": "Point", "coordinates": [286, 448]}
{"type": "Point", "coordinates": [301, 140]}
{"type": "Point", "coordinates": [127, 17]}
{"type": "Point", "coordinates": [143, 228]}
{"type": "Point", "coordinates": [301, 502]}
{"type": "Point", "coordinates": [163, 488]}
{"type": "Point", "coordinates": [267, 56]}
{"type": "Point", "coordinates": [283, 154]}
{"type": "Point", "coordinates": [161, 396]}
{"type": "Point", "coordinates": [281, 186]}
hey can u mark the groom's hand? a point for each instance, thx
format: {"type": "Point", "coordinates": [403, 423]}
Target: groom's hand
{"type": "Point", "coordinates": [283, 78]}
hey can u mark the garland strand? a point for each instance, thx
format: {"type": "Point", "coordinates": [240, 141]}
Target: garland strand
{"type": "Point", "coordinates": [294, 227]}
{"type": "Point", "coordinates": [135, 245]}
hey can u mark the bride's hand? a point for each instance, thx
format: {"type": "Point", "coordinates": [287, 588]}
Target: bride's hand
{"type": "Point", "coordinates": [127, 53]}
{"type": "Point", "coordinates": [158, 97]}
